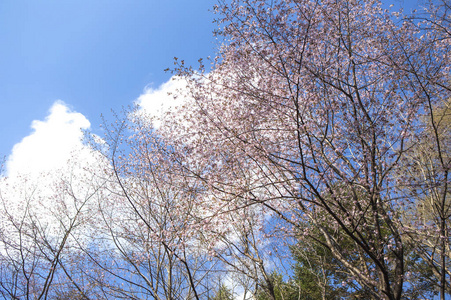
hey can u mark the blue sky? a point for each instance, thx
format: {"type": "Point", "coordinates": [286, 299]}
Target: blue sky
{"type": "Point", "coordinates": [64, 63]}
{"type": "Point", "coordinates": [95, 55]}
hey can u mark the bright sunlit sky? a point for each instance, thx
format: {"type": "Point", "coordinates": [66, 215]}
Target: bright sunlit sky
{"type": "Point", "coordinates": [64, 63]}
{"type": "Point", "coordinates": [94, 55]}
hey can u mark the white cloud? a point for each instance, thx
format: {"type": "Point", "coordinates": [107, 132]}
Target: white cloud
{"type": "Point", "coordinates": [51, 143]}
{"type": "Point", "coordinates": [49, 159]}
{"type": "Point", "coordinates": [50, 177]}
{"type": "Point", "coordinates": [156, 103]}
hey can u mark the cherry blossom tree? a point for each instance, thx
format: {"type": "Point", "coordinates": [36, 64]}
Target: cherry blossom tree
{"type": "Point", "coordinates": [148, 239]}
{"type": "Point", "coordinates": [43, 221]}
{"type": "Point", "coordinates": [322, 128]}
{"type": "Point", "coordinates": [308, 112]}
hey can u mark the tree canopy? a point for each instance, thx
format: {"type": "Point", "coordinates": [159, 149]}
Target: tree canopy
{"type": "Point", "coordinates": [311, 162]}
